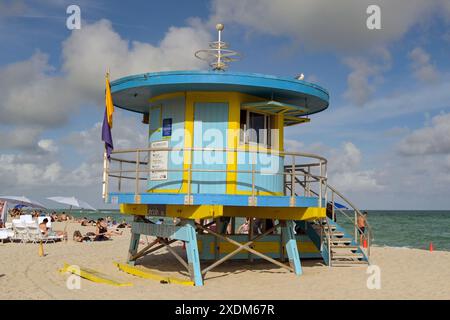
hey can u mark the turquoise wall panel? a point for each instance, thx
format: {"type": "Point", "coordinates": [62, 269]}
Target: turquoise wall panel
{"type": "Point", "coordinates": [210, 127]}
{"type": "Point", "coordinates": [169, 109]}
{"type": "Point", "coordinates": [270, 181]}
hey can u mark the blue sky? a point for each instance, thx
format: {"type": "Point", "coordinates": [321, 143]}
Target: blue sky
{"type": "Point", "coordinates": [386, 132]}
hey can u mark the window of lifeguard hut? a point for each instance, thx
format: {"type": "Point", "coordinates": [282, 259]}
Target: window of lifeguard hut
{"type": "Point", "coordinates": [255, 128]}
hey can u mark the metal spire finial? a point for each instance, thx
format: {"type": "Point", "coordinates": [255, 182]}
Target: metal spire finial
{"type": "Point", "coordinates": [218, 55]}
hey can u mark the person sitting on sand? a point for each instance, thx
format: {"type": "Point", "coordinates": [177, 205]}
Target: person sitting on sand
{"type": "Point", "coordinates": [47, 232]}
{"type": "Point", "coordinates": [78, 237]}
{"type": "Point", "coordinates": [102, 233]}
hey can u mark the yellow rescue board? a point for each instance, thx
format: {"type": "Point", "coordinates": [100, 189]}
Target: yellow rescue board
{"type": "Point", "coordinates": [93, 275]}
{"type": "Point", "coordinates": [152, 275]}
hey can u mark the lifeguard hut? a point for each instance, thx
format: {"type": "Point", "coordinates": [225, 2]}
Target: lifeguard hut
{"type": "Point", "coordinates": [216, 160]}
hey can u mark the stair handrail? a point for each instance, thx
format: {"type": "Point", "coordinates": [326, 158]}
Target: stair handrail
{"type": "Point", "coordinates": [328, 242]}
{"type": "Point", "coordinates": [357, 229]}
{"type": "Point", "coordinates": [369, 235]}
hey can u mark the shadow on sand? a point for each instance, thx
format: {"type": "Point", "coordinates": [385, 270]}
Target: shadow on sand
{"type": "Point", "coordinates": [166, 262]}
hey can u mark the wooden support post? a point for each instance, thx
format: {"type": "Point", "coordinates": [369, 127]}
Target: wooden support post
{"type": "Point", "coordinates": [134, 244]}
{"type": "Point", "coordinates": [192, 253]}
{"type": "Point", "coordinates": [290, 243]}
{"type": "Point", "coordinates": [250, 236]}
{"type": "Point", "coordinates": [216, 241]}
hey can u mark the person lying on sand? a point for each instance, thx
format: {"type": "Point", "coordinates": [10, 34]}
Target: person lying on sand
{"type": "Point", "coordinates": [85, 222]}
{"type": "Point", "coordinates": [47, 232]}
{"type": "Point", "coordinates": [78, 237]}
{"type": "Point", "coordinates": [123, 224]}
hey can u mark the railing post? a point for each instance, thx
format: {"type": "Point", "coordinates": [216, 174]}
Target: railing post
{"type": "Point", "coordinates": [320, 184]}
{"type": "Point", "coordinates": [189, 186]}
{"type": "Point", "coordinates": [356, 226]}
{"type": "Point", "coordinates": [137, 172]}
{"type": "Point", "coordinates": [292, 201]}
{"type": "Point", "coordinates": [253, 181]}
{"type": "Point", "coordinates": [332, 206]}
{"type": "Point", "coordinates": [305, 186]}
{"type": "Point", "coordinates": [329, 247]}
{"type": "Point", "coordinates": [120, 176]}
{"type": "Point", "coordinates": [105, 177]}
{"type": "Point", "coordinates": [189, 182]}
{"type": "Point", "coordinates": [308, 182]}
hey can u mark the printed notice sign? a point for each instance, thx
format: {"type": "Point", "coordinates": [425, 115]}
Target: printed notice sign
{"type": "Point", "coordinates": [159, 161]}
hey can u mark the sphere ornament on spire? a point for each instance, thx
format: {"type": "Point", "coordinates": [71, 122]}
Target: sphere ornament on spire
{"type": "Point", "coordinates": [218, 55]}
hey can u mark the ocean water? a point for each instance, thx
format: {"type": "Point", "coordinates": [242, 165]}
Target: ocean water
{"type": "Point", "coordinates": [413, 229]}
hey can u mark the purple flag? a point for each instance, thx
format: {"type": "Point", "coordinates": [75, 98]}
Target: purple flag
{"type": "Point", "coordinates": [107, 137]}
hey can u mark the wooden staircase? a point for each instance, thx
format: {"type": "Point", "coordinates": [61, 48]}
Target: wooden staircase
{"type": "Point", "coordinates": [337, 246]}
{"type": "Point", "coordinates": [343, 249]}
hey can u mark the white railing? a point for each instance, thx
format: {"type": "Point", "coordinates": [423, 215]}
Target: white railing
{"type": "Point", "coordinates": [133, 165]}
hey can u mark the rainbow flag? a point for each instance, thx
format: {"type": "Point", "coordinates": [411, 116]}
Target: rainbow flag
{"type": "Point", "coordinates": [108, 120]}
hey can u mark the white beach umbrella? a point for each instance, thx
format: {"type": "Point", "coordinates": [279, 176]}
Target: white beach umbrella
{"type": "Point", "coordinates": [73, 202]}
{"type": "Point", "coordinates": [23, 201]}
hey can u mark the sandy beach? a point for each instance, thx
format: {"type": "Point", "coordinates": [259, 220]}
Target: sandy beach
{"type": "Point", "coordinates": [405, 274]}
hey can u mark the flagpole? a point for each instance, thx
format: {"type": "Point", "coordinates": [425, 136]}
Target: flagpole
{"type": "Point", "coordinates": [105, 165]}
{"type": "Point", "coordinates": [105, 176]}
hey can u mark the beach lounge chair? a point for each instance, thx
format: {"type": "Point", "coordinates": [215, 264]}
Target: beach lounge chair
{"type": "Point", "coordinates": [26, 218]}
{"type": "Point", "coordinates": [20, 231]}
{"type": "Point", "coordinates": [6, 234]}
{"type": "Point", "coordinates": [34, 233]}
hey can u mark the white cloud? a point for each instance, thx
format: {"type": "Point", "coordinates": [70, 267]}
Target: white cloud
{"type": "Point", "coordinates": [128, 133]}
{"type": "Point", "coordinates": [88, 53]}
{"type": "Point", "coordinates": [365, 74]}
{"type": "Point", "coordinates": [345, 171]}
{"type": "Point", "coordinates": [335, 25]}
{"type": "Point", "coordinates": [394, 107]}
{"type": "Point", "coordinates": [48, 145]}
{"type": "Point", "coordinates": [21, 138]}
{"type": "Point", "coordinates": [293, 145]}
{"type": "Point", "coordinates": [34, 93]}
{"type": "Point", "coordinates": [17, 170]}
{"type": "Point", "coordinates": [423, 68]}
{"type": "Point", "coordinates": [432, 139]}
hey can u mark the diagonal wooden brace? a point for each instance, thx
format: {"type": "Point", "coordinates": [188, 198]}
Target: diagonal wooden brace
{"type": "Point", "coordinates": [241, 247]}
